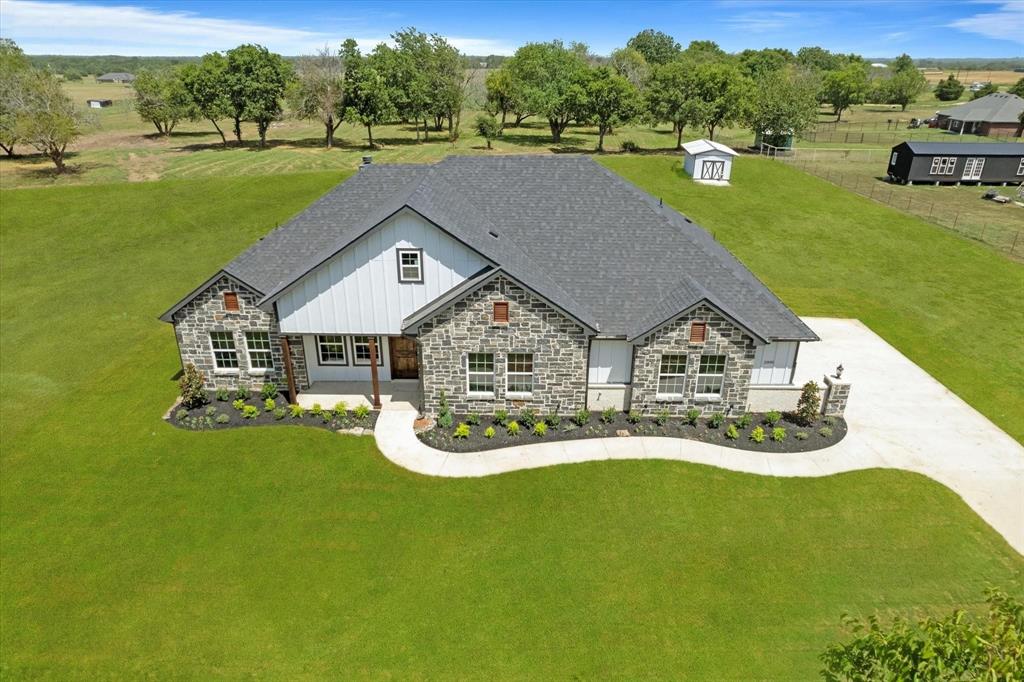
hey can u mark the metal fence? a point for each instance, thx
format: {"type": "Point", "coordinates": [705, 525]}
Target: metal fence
{"type": "Point", "coordinates": [894, 136]}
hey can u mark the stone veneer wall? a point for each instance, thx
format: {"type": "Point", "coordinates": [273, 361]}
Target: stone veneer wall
{"type": "Point", "coordinates": [837, 395]}
{"type": "Point", "coordinates": [558, 344]}
{"type": "Point", "coordinates": [723, 338]}
{"type": "Point", "coordinates": [205, 313]}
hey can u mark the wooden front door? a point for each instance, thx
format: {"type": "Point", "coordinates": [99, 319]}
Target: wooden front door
{"type": "Point", "coordinates": [404, 362]}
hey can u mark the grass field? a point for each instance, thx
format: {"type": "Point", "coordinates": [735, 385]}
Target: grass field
{"type": "Point", "coordinates": [133, 549]}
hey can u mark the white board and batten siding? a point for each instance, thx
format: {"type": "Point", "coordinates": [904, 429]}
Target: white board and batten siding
{"type": "Point", "coordinates": [609, 374]}
{"type": "Point", "coordinates": [358, 291]}
{"type": "Point", "coordinates": [774, 364]}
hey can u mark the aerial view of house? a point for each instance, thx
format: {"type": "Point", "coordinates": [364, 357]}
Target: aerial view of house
{"type": "Point", "coordinates": [996, 114]}
{"type": "Point", "coordinates": [957, 162]}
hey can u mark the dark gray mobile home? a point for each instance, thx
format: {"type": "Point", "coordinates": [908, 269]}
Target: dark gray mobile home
{"type": "Point", "coordinates": [957, 162]}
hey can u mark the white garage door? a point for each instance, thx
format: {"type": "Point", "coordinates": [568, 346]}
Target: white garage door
{"type": "Point", "coordinates": [611, 362]}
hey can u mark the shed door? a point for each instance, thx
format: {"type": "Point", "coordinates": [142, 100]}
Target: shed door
{"type": "Point", "coordinates": [973, 168]}
{"type": "Point", "coordinates": [712, 170]}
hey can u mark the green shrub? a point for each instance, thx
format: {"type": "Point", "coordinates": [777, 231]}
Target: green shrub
{"type": "Point", "coordinates": [191, 387]}
{"type": "Point", "coordinates": [716, 419]}
{"type": "Point", "coordinates": [222, 419]}
{"type": "Point", "coordinates": [295, 411]}
{"type": "Point", "coordinates": [327, 416]}
{"type": "Point", "coordinates": [269, 390]}
{"type": "Point", "coordinates": [757, 435]}
{"type": "Point", "coordinates": [513, 428]}
{"type": "Point", "coordinates": [692, 415]}
{"type": "Point", "coordinates": [581, 418]}
{"type": "Point", "coordinates": [445, 420]}
{"type": "Point", "coordinates": [801, 435]}
{"type": "Point", "coordinates": [250, 412]}
{"type": "Point", "coordinates": [808, 405]}
{"type": "Point", "coordinates": [238, 404]}
{"type": "Point", "coordinates": [540, 429]}
{"type": "Point", "coordinates": [829, 420]}
{"type": "Point", "coordinates": [629, 146]}
{"type": "Point", "coordinates": [553, 420]}
{"type": "Point", "coordinates": [608, 415]}
{"type": "Point", "coordinates": [778, 434]}
{"type": "Point", "coordinates": [210, 411]}
{"type": "Point", "coordinates": [472, 419]}
{"type": "Point", "coordinates": [489, 432]}
{"type": "Point", "coordinates": [501, 417]}
{"type": "Point", "coordinates": [744, 421]}
{"type": "Point", "coordinates": [661, 418]}
{"type": "Point", "coordinates": [732, 433]}
{"type": "Point", "coordinates": [772, 418]}
{"type": "Point", "coordinates": [825, 432]}
{"type": "Point", "coordinates": [361, 412]}
{"type": "Point", "coordinates": [316, 410]}
{"type": "Point", "coordinates": [461, 431]}
{"type": "Point", "coordinates": [528, 417]}
{"type": "Point", "coordinates": [340, 409]}
{"type": "Point", "coordinates": [223, 394]}
{"type": "Point", "coordinates": [269, 405]}
{"type": "Point", "coordinates": [181, 415]}
{"type": "Point", "coordinates": [280, 413]}
{"type": "Point", "coordinates": [242, 393]}
{"type": "Point", "coordinates": [634, 417]}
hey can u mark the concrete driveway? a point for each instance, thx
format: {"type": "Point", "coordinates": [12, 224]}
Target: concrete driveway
{"type": "Point", "coordinates": [899, 417]}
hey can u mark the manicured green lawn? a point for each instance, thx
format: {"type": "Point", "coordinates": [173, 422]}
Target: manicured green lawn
{"type": "Point", "coordinates": [131, 549]}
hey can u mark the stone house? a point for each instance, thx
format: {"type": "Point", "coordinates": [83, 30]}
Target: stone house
{"type": "Point", "coordinates": [495, 283]}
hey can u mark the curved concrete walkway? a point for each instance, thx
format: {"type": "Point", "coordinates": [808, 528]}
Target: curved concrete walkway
{"type": "Point", "coordinates": [899, 417]}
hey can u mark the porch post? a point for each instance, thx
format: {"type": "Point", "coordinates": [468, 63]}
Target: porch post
{"type": "Point", "coordinates": [286, 353]}
{"type": "Point", "coordinates": [373, 372]}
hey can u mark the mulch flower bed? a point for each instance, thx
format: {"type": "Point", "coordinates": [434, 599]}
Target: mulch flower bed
{"type": "Point", "coordinates": [230, 411]}
{"type": "Point", "coordinates": [824, 432]}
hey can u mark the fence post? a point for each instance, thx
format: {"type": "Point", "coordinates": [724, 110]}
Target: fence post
{"type": "Point", "coordinates": [955, 219]}
{"type": "Point", "coordinates": [1015, 237]}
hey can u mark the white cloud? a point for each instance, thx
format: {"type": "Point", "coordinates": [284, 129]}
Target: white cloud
{"type": "Point", "coordinates": [74, 28]}
{"type": "Point", "coordinates": [1005, 23]}
{"type": "Point", "coordinates": [764, 22]}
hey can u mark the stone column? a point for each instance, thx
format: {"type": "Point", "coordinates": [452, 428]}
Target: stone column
{"type": "Point", "coordinates": [837, 393]}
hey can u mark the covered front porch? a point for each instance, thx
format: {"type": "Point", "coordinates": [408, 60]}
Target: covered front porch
{"type": "Point", "coordinates": [397, 392]}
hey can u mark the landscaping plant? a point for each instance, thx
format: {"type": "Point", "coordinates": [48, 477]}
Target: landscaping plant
{"type": "Point", "coordinates": [340, 409]}
{"type": "Point", "coordinates": [445, 420]}
{"type": "Point", "coordinates": [715, 420]}
{"type": "Point", "coordinates": [808, 405]}
{"type": "Point", "coordinates": [242, 393]}
{"type": "Point", "coordinates": [608, 415]}
{"type": "Point", "coordinates": [661, 418]}
{"type": "Point", "coordinates": [553, 420]}
{"type": "Point", "coordinates": [191, 386]}
{"type": "Point", "coordinates": [489, 432]}
{"type": "Point", "coordinates": [513, 428]}
{"type": "Point", "coordinates": [210, 411]}
{"type": "Point", "coordinates": [362, 411]}
{"type": "Point", "coordinates": [461, 431]}
{"type": "Point", "coordinates": [472, 419]}
{"type": "Point", "coordinates": [744, 421]}
{"type": "Point", "coordinates": [269, 405]}
{"type": "Point", "coordinates": [528, 417]}
{"type": "Point", "coordinates": [757, 435]}
{"type": "Point", "coordinates": [316, 410]}
{"type": "Point", "coordinates": [581, 418]}
{"type": "Point", "coordinates": [732, 433]}
{"type": "Point", "coordinates": [238, 404]}
{"type": "Point", "coordinates": [540, 429]}
{"type": "Point", "coordinates": [778, 434]}
{"type": "Point", "coordinates": [295, 411]}
{"type": "Point", "coordinates": [269, 390]}
{"type": "Point", "coordinates": [633, 417]}
{"type": "Point", "coordinates": [501, 417]}
{"type": "Point", "coordinates": [180, 415]}
{"type": "Point", "coordinates": [250, 412]}
{"type": "Point", "coordinates": [692, 415]}
{"type": "Point", "coordinates": [801, 435]}
{"type": "Point", "coordinates": [825, 432]}
{"type": "Point", "coordinates": [223, 395]}
{"type": "Point", "coordinates": [772, 418]}
{"type": "Point", "coordinates": [222, 419]}
{"type": "Point", "coordinates": [280, 413]}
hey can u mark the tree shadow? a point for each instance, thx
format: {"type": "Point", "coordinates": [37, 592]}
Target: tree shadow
{"type": "Point", "coordinates": [567, 141]}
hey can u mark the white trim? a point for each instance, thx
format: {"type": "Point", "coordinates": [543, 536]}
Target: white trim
{"type": "Point", "coordinates": [418, 253]}
{"type": "Point", "coordinates": [682, 389]}
{"type": "Point", "coordinates": [214, 350]}
{"type": "Point", "coordinates": [493, 375]}
{"type": "Point", "coordinates": [721, 375]}
{"type": "Point", "coordinates": [269, 351]}
{"type": "Point", "coordinates": [356, 362]}
{"type": "Point", "coordinates": [509, 374]}
{"type": "Point", "coordinates": [344, 350]}
{"type": "Point", "coordinates": [1020, 168]}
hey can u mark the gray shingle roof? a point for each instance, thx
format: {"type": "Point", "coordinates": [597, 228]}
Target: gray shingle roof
{"type": "Point", "coordinates": [573, 231]}
{"type": "Point", "coordinates": [999, 107]}
{"type": "Point", "coordinates": [967, 148]}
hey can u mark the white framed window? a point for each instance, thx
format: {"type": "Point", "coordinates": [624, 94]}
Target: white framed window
{"type": "Point", "coordinates": [410, 265]}
{"type": "Point", "coordinates": [257, 344]}
{"type": "Point", "coordinates": [950, 163]}
{"type": "Point", "coordinates": [671, 376]}
{"type": "Point", "coordinates": [519, 371]}
{"type": "Point", "coordinates": [1020, 167]}
{"type": "Point", "coordinates": [710, 375]}
{"type": "Point", "coordinates": [225, 356]}
{"type": "Point", "coordinates": [480, 374]}
{"type": "Point", "coordinates": [330, 350]}
{"type": "Point", "coordinates": [892, 160]}
{"type": "Point", "coordinates": [973, 167]}
{"type": "Point", "coordinates": [361, 350]}
{"type": "Point", "coordinates": [942, 165]}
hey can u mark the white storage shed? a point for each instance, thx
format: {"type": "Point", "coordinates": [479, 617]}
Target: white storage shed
{"type": "Point", "coordinates": [708, 162]}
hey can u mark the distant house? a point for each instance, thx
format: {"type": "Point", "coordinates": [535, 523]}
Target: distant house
{"type": "Point", "coordinates": [995, 114]}
{"type": "Point", "coordinates": [957, 162]}
{"type": "Point", "coordinates": [116, 77]}
{"type": "Point", "coordinates": [708, 162]}
{"type": "Point", "coordinates": [99, 103]}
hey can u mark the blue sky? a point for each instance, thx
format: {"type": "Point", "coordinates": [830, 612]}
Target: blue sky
{"type": "Point", "coordinates": [930, 28]}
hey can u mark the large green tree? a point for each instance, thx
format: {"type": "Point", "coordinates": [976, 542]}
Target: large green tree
{"type": "Point", "coordinates": [782, 101]}
{"type": "Point", "coordinates": [948, 89]}
{"type": "Point", "coordinates": [552, 77]}
{"type": "Point", "coordinates": [719, 95]}
{"type": "Point", "coordinates": [318, 91]}
{"type": "Point", "coordinates": [206, 83]}
{"type": "Point", "coordinates": [986, 89]}
{"type": "Point", "coordinates": [257, 79]}
{"type": "Point", "coordinates": [668, 96]}
{"type": "Point", "coordinates": [758, 63]}
{"type": "Point", "coordinates": [629, 63]}
{"type": "Point", "coordinates": [369, 98]}
{"type": "Point", "coordinates": [1017, 88]}
{"type": "Point", "coordinates": [656, 47]}
{"type": "Point", "coordinates": [505, 96]}
{"type": "Point", "coordinates": [817, 58]}
{"type": "Point", "coordinates": [46, 118]}
{"type": "Point", "coordinates": [14, 67]}
{"type": "Point", "coordinates": [702, 51]}
{"type": "Point", "coordinates": [610, 100]}
{"type": "Point", "coordinates": [162, 99]}
{"type": "Point", "coordinates": [845, 87]}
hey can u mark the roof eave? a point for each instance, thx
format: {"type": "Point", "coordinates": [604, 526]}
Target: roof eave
{"type": "Point", "coordinates": [168, 315]}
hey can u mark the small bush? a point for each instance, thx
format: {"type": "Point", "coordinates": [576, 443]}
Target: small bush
{"type": "Point", "coordinates": [744, 421]}
{"type": "Point", "coordinates": [772, 418]}
{"type": "Point", "coordinates": [191, 386]}
{"type": "Point", "coordinates": [801, 435]}
{"type": "Point", "coordinates": [808, 405]}
{"type": "Point", "coordinates": [661, 418]}
{"type": "Point", "coordinates": [461, 431]}
{"type": "Point", "coordinates": [778, 434]}
{"type": "Point", "coordinates": [634, 417]}
{"type": "Point", "coordinates": [181, 415]}
{"type": "Point", "coordinates": [825, 432]}
{"type": "Point", "coordinates": [326, 416]}
{"type": "Point", "coordinates": [716, 419]}
{"type": "Point", "coordinates": [732, 433]}
{"type": "Point", "coordinates": [553, 420]}
{"type": "Point", "coordinates": [829, 420]}
{"type": "Point", "coordinates": [223, 394]}
{"type": "Point", "coordinates": [340, 409]}
{"type": "Point", "coordinates": [445, 420]}
{"type": "Point", "coordinates": [210, 411]}
{"type": "Point", "coordinates": [513, 428]}
{"type": "Point", "coordinates": [629, 146]}
{"type": "Point", "coordinates": [222, 419]}
{"type": "Point", "coordinates": [280, 413]}
{"type": "Point", "coordinates": [316, 410]}
{"type": "Point", "coordinates": [250, 412]}
{"type": "Point", "coordinates": [581, 418]}
{"type": "Point", "coordinates": [528, 417]}
{"type": "Point", "coordinates": [501, 417]}
{"type": "Point", "coordinates": [472, 419]}
{"type": "Point", "coordinates": [269, 405]}
{"type": "Point", "coordinates": [295, 411]}
{"type": "Point", "coordinates": [361, 412]}
{"type": "Point", "coordinates": [540, 429]}
{"type": "Point", "coordinates": [757, 435]}
{"type": "Point", "coordinates": [489, 432]}
{"type": "Point", "coordinates": [692, 415]}
{"type": "Point", "coordinates": [608, 415]}
{"type": "Point", "coordinates": [238, 404]}
{"type": "Point", "coordinates": [242, 393]}
{"type": "Point", "coordinates": [269, 390]}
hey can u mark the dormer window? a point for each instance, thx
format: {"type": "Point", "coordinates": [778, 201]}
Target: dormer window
{"type": "Point", "coordinates": [410, 265]}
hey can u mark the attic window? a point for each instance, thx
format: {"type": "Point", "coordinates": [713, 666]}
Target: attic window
{"type": "Point", "coordinates": [231, 301]}
{"type": "Point", "coordinates": [410, 265]}
{"type": "Point", "coordinates": [501, 312]}
{"type": "Point", "coordinates": [698, 332]}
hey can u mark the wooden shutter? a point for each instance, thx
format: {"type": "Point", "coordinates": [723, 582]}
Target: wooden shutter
{"type": "Point", "coordinates": [698, 332]}
{"type": "Point", "coordinates": [230, 301]}
{"type": "Point", "coordinates": [501, 311]}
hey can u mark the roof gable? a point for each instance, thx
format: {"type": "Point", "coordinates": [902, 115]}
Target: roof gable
{"type": "Point", "coordinates": [998, 107]}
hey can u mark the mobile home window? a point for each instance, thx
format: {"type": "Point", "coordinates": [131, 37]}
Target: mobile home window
{"type": "Point", "coordinates": [480, 374]}
{"type": "Point", "coordinates": [330, 349]}
{"type": "Point", "coordinates": [671, 376]}
{"type": "Point", "coordinates": [410, 265]}
{"type": "Point", "coordinates": [710, 375]}
{"type": "Point", "coordinates": [892, 160]}
{"type": "Point", "coordinates": [520, 373]}
{"type": "Point", "coordinates": [258, 346]}
{"type": "Point", "coordinates": [224, 354]}
{"type": "Point", "coordinates": [361, 349]}
{"type": "Point", "coordinates": [1020, 167]}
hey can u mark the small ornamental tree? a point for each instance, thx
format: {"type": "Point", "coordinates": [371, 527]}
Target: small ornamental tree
{"type": "Point", "coordinates": [986, 89]}
{"type": "Point", "coordinates": [809, 404]}
{"type": "Point", "coordinates": [191, 386]}
{"type": "Point", "coordinates": [488, 127]}
{"type": "Point", "coordinates": [1017, 88]}
{"type": "Point", "coordinates": [948, 89]}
